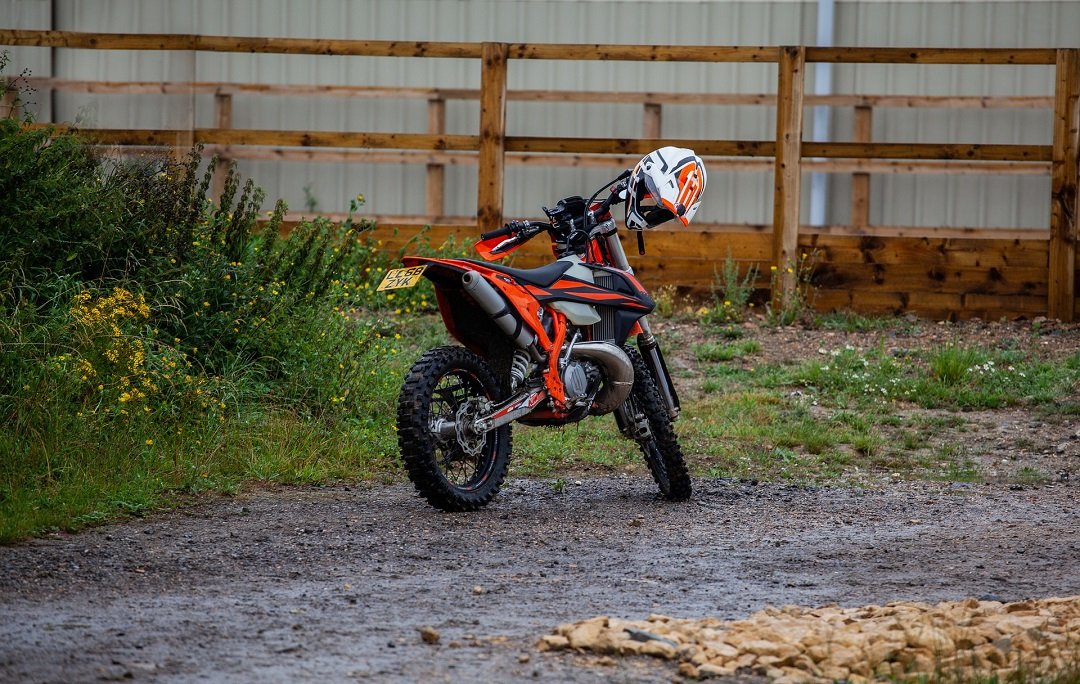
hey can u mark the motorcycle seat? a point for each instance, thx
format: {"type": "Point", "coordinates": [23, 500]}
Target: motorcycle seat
{"type": "Point", "coordinates": [541, 277]}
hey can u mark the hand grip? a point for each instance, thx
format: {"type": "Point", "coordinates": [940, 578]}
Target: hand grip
{"type": "Point", "coordinates": [498, 232]}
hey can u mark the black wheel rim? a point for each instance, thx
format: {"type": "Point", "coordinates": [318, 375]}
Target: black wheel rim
{"type": "Point", "coordinates": [461, 469]}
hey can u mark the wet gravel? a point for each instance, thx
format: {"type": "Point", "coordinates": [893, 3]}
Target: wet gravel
{"type": "Point", "coordinates": [335, 583]}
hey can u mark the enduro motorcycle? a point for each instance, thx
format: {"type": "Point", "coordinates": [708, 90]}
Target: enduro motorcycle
{"type": "Point", "coordinates": [543, 346]}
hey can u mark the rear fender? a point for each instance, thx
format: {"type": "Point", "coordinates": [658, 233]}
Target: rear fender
{"type": "Point", "coordinates": [446, 274]}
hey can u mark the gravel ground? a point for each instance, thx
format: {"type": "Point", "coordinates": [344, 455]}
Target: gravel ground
{"type": "Point", "coordinates": [335, 583]}
{"type": "Point", "coordinates": [289, 584]}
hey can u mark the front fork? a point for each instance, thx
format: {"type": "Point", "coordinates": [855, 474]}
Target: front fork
{"type": "Point", "coordinates": [647, 344]}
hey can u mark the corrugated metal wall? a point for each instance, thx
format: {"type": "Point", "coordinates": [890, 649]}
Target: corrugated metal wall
{"type": "Point", "coordinates": [731, 197]}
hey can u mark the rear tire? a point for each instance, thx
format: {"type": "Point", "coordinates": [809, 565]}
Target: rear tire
{"type": "Point", "coordinates": [661, 449]}
{"type": "Point", "coordinates": [454, 473]}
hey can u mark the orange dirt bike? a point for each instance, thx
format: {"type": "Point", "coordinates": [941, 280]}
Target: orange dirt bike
{"type": "Point", "coordinates": [543, 346]}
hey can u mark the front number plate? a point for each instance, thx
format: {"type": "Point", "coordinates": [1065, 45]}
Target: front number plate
{"type": "Point", "coordinates": [401, 277]}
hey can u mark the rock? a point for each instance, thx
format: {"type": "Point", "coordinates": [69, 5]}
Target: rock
{"type": "Point", "coordinates": [524, 658]}
{"type": "Point", "coordinates": [721, 649]}
{"type": "Point", "coordinates": [630, 647]}
{"type": "Point", "coordinates": [895, 641]}
{"type": "Point", "coordinates": [586, 634]}
{"type": "Point", "coordinates": [711, 670]}
{"type": "Point", "coordinates": [932, 639]}
{"type": "Point", "coordinates": [429, 635]}
{"type": "Point", "coordinates": [688, 670]}
{"type": "Point", "coordinates": [553, 642]}
{"type": "Point", "coordinates": [658, 649]}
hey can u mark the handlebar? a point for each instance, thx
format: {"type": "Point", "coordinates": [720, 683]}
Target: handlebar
{"type": "Point", "coordinates": [515, 227]}
{"type": "Point", "coordinates": [615, 196]}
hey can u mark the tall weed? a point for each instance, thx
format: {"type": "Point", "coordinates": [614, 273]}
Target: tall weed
{"type": "Point", "coordinates": [149, 336]}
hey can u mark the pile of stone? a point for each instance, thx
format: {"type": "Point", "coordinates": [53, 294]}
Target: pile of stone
{"type": "Point", "coordinates": [963, 639]}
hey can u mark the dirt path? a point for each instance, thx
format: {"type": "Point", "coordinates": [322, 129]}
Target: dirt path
{"type": "Point", "coordinates": [334, 583]}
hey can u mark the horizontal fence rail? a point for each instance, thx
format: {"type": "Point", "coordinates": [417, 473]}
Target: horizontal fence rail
{"type": "Point", "coordinates": [935, 271]}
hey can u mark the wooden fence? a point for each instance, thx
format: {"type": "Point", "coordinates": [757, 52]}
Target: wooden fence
{"type": "Point", "coordinates": [937, 272]}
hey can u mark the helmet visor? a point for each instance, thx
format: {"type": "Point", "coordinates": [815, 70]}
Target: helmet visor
{"type": "Point", "coordinates": [648, 204]}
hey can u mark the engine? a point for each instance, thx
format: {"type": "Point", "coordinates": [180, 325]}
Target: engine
{"type": "Point", "coordinates": [581, 378]}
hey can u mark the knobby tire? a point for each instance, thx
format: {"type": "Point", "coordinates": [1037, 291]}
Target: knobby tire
{"type": "Point", "coordinates": [662, 451]}
{"type": "Point", "coordinates": [433, 462]}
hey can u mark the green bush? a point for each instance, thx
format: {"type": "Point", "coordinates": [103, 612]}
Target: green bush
{"type": "Point", "coordinates": [152, 340]}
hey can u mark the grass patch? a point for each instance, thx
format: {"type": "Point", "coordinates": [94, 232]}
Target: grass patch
{"type": "Point", "coordinates": [850, 322]}
{"type": "Point", "coordinates": [720, 351]}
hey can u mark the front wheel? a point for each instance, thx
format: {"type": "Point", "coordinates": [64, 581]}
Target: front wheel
{"type": "Point", "coordinates": [451, 466]}
{"type": "Point", "coordinates": [651, 427]}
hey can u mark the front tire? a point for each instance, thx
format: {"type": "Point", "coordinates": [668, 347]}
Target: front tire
{"type": "Point", "coordinates": [661, 447]}
{"type": "Point", "coordinates": [461, 472]}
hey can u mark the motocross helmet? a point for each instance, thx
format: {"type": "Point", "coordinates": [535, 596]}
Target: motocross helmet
{"type": "Point", "coordinates": [665, 184]}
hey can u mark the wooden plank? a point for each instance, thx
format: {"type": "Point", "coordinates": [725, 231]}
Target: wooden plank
{"type": "Point", "coordinates": [360, 156]}
{"type": "Point", "coordinates": [711, 232]}
{"type": "Point", "coordinates": [1004, 305]}
{"type": "Point", "coordinates": [579, 96]}
{"type": "Point", "coordinates": [787, 175]}
{"type": "Point", "coordinates": [998, 254]}
{"type": "Point", "coordinates": [727, 164]}
{"type": "Point", "coordinates": [492, 136]}
{"type": "Point", "coordinates": [931, 278]}
{"type": "Point", "coordinates": [883, 302]}
{"type": "Point", "coordinates": [937, 306]}
{"type": "Point", "coordinates": [116, 41]}
{"type": "Point", "coordinates": [934, 101]}
{"type": "Point", "coordinates": [860, 182]}
{"type": "Point", "coordinates": [933, 231]}
{"type": "Point", "coordinates": [242, 136]}
{"type": "Point", "coordinates": [928, 151]}
{"type": "Point", "coordinates": [285, 46]}
{"type": "Point", "coordinates": [706, 245]}
{"type": "Point", "coordinates": [931, 168]}
{"type": "Point", "coordinates": [641, 146]}
{"type": "Point", "coordinates": [418, 141]}
{"type": "Point", "coordinates": [642, 53]}
{"type": "Point", "coordinates": [900, 55]}
{"type": "Point", "coordinates": [723, 231]}
{"type": "Point", "coordinates": [1063, 192]}
{"type": "Point", "coordinates": [435, 189]}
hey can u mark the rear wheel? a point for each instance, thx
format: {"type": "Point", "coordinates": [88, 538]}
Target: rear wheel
{"type": "Point", "coordinates": [453, 467]}
{"type": "Point", "coordinates": [654, 432]}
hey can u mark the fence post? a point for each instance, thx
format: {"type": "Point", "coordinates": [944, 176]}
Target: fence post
{"type": "Point", "coordinates": [436, 173]}
{"type": "Point", "coordinates": [222, 119]}
{"type": "Point", "coordinates": [860, 182]}
{"type": "Point", "coordinates": [1063, 186]}
{"type": "Point", "coordinates": [787, 175]}
{"type": "Point", "coordinates": [651, 128]}
{"type": "Point", "coordinates": [492, 135]}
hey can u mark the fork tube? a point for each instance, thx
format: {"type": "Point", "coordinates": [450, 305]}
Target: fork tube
{"type": "Point", "coordinates": [619, 260]}
{"type": "Point", "coordinates": [650, 348]}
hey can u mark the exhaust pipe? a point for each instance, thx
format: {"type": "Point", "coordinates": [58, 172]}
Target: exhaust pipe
{"type": "Point", "coordinates": [618, 374]}
{"type": "Point", "coordinates": [495, 306]}
{"type": "Point", "coordinates": [618, 371]}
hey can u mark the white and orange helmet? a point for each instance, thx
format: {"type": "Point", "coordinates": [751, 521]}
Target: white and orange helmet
{"type": "Point", "coordinates": [665, 184]}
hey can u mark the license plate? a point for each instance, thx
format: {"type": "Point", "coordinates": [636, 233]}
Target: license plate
{"type": "Point", "coordinates": [401, 277]}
